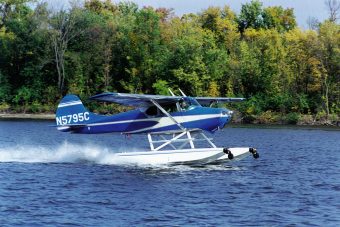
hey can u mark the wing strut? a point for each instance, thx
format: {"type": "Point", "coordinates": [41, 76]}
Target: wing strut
{"type": "Point", "coordinates": [171, 92]}
{"type": "Point", "coordinates": [182, 92]}
{"type": "Point", "coordinates": [167, 114]}
{"type": "Point", "coordinates": [177, 104]}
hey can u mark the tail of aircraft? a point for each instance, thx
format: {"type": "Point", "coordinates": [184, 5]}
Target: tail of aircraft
{"type": "Point", "coordinates": [72, 112]}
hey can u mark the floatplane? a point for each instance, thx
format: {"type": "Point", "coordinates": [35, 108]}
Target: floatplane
{"type": "Point", "coordinates": [174, 126]}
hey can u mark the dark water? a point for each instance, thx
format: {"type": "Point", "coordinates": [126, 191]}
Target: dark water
{"type": "Point", "coordinates": [48, 178]}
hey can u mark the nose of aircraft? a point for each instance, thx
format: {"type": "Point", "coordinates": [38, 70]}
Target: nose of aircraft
{"type": "Point", "coordinates": [226, 116]}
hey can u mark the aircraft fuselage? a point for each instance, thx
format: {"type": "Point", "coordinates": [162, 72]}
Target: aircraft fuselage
{"type": "Point", "coordinates": [138, 121]}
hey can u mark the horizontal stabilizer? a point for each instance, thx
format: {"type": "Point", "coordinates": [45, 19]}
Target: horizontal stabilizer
{"type": "Point", "coordinates": [70, 128]}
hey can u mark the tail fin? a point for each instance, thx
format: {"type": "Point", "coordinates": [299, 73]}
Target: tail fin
{"type": "Point", "coordinates": [71, 112]}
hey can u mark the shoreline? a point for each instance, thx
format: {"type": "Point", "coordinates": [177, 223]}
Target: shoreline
{"type": "Point", "coordinates": [287, 126]}
{"type": "Point", "coordinates": [24, 116]}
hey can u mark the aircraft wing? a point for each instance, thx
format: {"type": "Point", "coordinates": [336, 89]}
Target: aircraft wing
{"type": "Point", "coordinates": [135, 99]}
{"type": "Point", "coordinates": [208, 100]}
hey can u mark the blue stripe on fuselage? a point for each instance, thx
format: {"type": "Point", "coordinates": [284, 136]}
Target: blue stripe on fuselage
{"type": "Point", "coordinates": [107, 124]}
{"type": "Point", "coordinates": [135, 122]}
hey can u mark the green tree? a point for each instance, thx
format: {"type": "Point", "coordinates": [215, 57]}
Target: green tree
{"type": "Point", "coordinates": [161, 87]}
{"type": "Point", "coordinates": [5, 89]}
{"type": "Point", "coordinates": [10, 9]}
{"type": "Point", "coordinates": [279, 18]}
{"type": "Point", "coordinates": [102, 46]}
{"type": "Point", "coordinates": [329, 36]}
{"type": "Point", "coordinates": [65, 27]}
{"type": "Point", "coordinates": [251, 16]}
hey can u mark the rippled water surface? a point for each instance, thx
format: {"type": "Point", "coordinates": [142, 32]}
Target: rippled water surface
{"type": "Point", "coordinates": [57, 179]}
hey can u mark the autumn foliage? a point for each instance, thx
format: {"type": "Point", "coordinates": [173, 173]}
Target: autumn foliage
{"type": "Point", "coordinates": [260, 54]}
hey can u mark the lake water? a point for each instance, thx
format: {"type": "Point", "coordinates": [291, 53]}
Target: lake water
{"type": "Point", "coordinates": [49, 178]}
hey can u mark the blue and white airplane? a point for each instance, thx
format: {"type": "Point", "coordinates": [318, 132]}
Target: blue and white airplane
{"type": "Point", "coordinates": [157, 116]}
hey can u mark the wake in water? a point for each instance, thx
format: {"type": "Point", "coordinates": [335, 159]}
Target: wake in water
{"type": "Point", "coordinates": [65, 153]}
{"type": "Point", "coordinates": [75, 153]}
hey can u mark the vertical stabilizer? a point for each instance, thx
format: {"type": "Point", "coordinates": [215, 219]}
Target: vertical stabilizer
{"type": "Point", "coordinates": [71, 111]}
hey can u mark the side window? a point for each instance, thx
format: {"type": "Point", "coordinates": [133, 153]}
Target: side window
{"type": "Point", "coordinates": [152, 111]}
{"type": "Point", "coordinates": [170, 107]}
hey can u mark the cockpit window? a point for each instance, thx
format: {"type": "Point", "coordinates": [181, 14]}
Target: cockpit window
{"type": "Point", "coordinates": [188, 103]}
{"type": "Point", "coordinates": [170, 107]}
{"type": "Point", "coordinates": [153, 111]}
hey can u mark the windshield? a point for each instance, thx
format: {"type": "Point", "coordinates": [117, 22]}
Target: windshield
{"type": "Point", "coordinates": [188, 103]}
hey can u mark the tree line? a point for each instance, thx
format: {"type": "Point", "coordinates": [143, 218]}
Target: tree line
{"type": "Point", "coordinates": [260, 54]}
